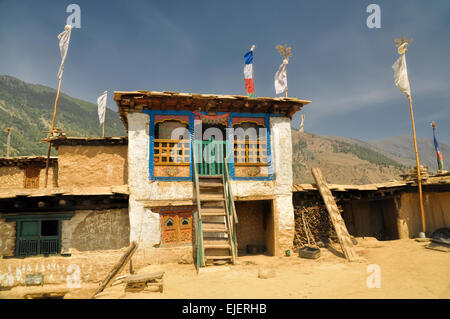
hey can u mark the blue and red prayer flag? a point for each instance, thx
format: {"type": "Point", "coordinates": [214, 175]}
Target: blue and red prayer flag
{"type": "Point", "coordinates": [248, 73]}
{"type": "Point", "coordinates": [440, 158]}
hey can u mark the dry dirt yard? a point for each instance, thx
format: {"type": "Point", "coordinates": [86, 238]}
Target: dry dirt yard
{"type": "Point", "coordinates": [408, 270]}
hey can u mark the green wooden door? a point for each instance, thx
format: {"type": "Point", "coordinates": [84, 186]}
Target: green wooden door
{"type": "Point", "coordinates": [210, 157]}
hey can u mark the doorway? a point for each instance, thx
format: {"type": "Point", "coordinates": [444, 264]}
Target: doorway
{"type": "Point", "coordinates": [210, 150]}
{"type": "Point", "coordinates": [256, 227]}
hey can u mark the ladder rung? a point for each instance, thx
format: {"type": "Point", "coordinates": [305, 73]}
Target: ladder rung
{"type": "Point", "coordinates": [211, 197]}
{"type": "Point", "coordinates": [213, 210]}
{"type": "Point", "coordinates": [210, 184]}
{"type": "Point", "coordinates": [218, 257]}
{"type": "Point", "coordinates": [217, 246]}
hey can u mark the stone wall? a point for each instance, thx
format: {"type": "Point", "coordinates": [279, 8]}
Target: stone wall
{"type": "Point", "coordinates": [73, 271]}
{"type": "Point", "coordinates": [92, 230]}
{"type": "Point", "coordinates": [14, 177]}
{"type": "Point", "coordinates": [7, 238]}
{"type": "Point", "coordinates": [88, 166]}
{"type": "Point", "coordinates": [282, 158]}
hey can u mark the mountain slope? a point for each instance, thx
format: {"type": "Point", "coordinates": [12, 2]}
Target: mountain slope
{"type": "Point", "coordinates": [28, 108]}
{"type": "Point", "coordinates": [343, 161]}
{"type": "Point", "coordinates": [402, 146]}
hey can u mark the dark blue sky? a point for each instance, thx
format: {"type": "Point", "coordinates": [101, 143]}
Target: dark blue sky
{"type": "Point", "coordinates": [198, 46]}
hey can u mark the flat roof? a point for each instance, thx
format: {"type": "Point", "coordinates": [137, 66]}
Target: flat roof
{"type": "Point", "coordinates": [438, 179]}
{"type": "Point", "coordinates": [26, 160]}
{"type": "Point", "coordinates": [65, 191]}
{"type": "Point", "coordinates": [87, 141]}
{"type": "Point", "coordinates": [131, 101]}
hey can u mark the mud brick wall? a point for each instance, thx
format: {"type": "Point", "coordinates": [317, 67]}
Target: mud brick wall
{"type": "Point", "coordinates": [88, 166]}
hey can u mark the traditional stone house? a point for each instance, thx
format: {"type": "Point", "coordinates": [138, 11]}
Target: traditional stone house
{"type": "Point", "coordinates": [245, 201]}
{"type": "Point", "coordinates": [84, 207]}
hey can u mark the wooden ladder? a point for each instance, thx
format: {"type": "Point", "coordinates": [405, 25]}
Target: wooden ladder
{"type": "Point", "coordinates": [216, 231]}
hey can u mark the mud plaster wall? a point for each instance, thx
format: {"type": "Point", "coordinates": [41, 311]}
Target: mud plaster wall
{"type": "Point", "coordinates": [88, 166]}
{"type": "Point", "coordinates": [144, 224]}
{"type": "Point", "coordinates": [366, 218]}
{"type": "Point", "coordinates": [7, 237]}
{"type": "Point", "coordinates": [91, 230]}
{"type": "Point", "coordinates": [437, 213]}
{"type": "Point", "coordinates": [73, 271]}
{"type": "Point", "coordinates": [14, 177]}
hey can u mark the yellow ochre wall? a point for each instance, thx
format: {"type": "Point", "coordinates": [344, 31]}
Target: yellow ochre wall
{"type": "Point", "coordinates": [88, 166]}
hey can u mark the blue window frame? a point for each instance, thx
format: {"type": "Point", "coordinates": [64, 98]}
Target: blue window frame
{"type": "Point", "coordinates": [152, 114]}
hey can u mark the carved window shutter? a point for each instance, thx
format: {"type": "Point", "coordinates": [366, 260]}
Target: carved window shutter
{"type": "Point", "coordinates": [32, 176]}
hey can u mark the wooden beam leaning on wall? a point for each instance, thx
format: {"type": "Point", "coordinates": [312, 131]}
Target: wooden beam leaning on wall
{"type": "Point", "coordinates": [117, 268]}
{"type": "Point", "coordinates": [335, 216]}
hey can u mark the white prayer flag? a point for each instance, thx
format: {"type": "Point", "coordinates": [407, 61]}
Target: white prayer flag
{"type": "Point", "coordinates": [64, 39]}
{"type": "Point", "coordinates": [401, 75]}
{"type": "Point", "coordinates": [281, 78]}
{"type": "Point", "coordinates": [101, 101]}
{"type": "Point", "coordinates": [301, 125]}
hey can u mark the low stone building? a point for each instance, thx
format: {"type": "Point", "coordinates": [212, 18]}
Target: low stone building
{"type": "Point", "coordinates": [387, 211]}
{"type": "Point", "coordinates": [83, 212]}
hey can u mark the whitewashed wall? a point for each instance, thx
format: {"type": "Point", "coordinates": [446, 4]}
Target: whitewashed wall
{"type": "Point", "coordinates": [145, 225]}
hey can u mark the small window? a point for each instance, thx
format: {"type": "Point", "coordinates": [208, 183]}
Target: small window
{"type": "Point", "coordinates": [32, 176]}
{"type": "Point", "coordinates": [176, 226]}
{"type": "Point", "coordinates": [38, 237]}
{"type": "Point", "coordinates": [171, 143]}
{"type": "Point", "coordinates": [250, 146]}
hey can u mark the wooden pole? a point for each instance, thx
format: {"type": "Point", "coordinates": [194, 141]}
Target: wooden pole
{"type": "Point", "coordinates": [419, 180]}
{"type": "Point", "coordinates": [286, 85]}
{"type": "Point", "coordinates": [8, 141]}
{"type": "Point", "coordinates": [103, 129]}
{"type": "Point", "coordinates": [51, 132]}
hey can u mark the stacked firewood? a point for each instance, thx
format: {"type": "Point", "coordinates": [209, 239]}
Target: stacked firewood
{"type": "Point", "coordinates": [318, 221]}
{"type": "Point", "coordinates": [412, 175]}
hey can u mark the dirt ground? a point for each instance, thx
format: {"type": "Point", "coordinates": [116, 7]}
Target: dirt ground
{"type": "Point", "coordinates": [407, 270]}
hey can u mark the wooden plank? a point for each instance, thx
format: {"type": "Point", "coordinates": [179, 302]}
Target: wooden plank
{"type": "Point", "coordinates": [335, 216]}
{"type": "Point", "coordinates": [144, 277]}
{"type": "Point", "coordinates": [117, 268]}
{"type": "Point", "coordinates": [161, 203]}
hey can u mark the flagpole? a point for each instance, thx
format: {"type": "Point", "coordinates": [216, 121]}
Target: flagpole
{"type": "Point", "coordinates": [419, 180]}
{"type": "Point", "coordinates": [103, 129]}
{"type": "Point", "coordinates": [67, 27]}
{"type": "Point", "coordinates": [51, 132]}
